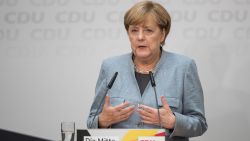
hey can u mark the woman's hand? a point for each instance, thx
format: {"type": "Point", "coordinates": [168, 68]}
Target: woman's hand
{"type": "Point", "coordinates": [111, 115]}
{"type": "Point", "coordinates": [149, 115]}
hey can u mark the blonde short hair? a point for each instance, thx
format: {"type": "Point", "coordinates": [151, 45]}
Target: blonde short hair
{"type": "Point", "coordinates": [137, 14]}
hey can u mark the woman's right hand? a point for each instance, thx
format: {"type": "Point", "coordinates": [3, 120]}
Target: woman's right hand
{"type": "Point", "coordinates": [111, 115]}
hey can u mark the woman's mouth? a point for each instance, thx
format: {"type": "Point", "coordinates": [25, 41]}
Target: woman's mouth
{"type": "Point", "coordinates": [142, 46]}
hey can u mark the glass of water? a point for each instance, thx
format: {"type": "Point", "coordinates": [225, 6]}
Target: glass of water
{"type": "Point", "coordinates": [68, 131]}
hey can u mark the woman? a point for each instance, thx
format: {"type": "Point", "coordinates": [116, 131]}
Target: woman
{"type": "Point", "coordinates": [130, 103]}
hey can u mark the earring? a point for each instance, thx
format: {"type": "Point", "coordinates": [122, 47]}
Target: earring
{"type": "Point", "coordinates": [161, 45]}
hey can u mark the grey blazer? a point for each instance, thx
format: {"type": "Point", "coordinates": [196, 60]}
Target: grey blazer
{"type": "Point", "coordinates": [176, 78]}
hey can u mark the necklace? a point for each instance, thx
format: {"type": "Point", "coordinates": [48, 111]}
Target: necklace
{"type": "Point", "coordinates": [143, 71]}
{"type": "Point", "coordinates": [146, 70]}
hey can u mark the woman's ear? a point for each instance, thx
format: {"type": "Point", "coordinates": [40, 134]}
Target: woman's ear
{"type": "Point", "coordinates": [163, 35]}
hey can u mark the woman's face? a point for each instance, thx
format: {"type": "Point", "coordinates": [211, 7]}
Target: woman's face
{"type": "Point", "coordinates": [145, 39]}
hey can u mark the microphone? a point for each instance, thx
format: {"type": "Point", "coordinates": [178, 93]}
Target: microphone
{"type": "Point", "coordinates": [112, 81]}
{"type": "Point", "coordinates": [152, 80]}
{"type": "Point", "coordinates": [109, 86]}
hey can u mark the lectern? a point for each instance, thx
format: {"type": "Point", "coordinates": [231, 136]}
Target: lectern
{"type": "Point", "coordinates": [121, 135]}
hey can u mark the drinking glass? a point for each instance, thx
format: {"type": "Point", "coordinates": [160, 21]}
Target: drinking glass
{"type": "Point", "coordinates": [68, 131]}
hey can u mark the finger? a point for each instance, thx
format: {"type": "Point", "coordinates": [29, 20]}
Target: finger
{"type": "Point", "coordinates": [162, 111]}
{"type": "Point", "coordinates": [127, 114]}
{"type": "Point", "coordinates": [107, 101]}
{"type": "Point", "coordinates": [165, 103]}
{"type": "Point", "coordinates": [118, 111]}
{"type": "Point", "coordinates": [146, 118]}
{"type": "Point", "coordinates": [121, 106]}
{"type": "Point", "coordinates": [127, 110]}
{"type": "Point", "coordinates": [124, 116]}
{"type": "Point", "coordinates": [144, 113]}
{"type": "Point", "coordinates": [150, 122]}
{"type": "Point", "coordinates": [147, 108]}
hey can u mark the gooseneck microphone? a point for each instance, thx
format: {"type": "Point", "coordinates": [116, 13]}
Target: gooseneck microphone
{"type": "Point", "coordinates": [152, 80]}
{"type": "Point", "coordinates": [109, 86]}
{"type": "Point", "coordinates": [111, 82]}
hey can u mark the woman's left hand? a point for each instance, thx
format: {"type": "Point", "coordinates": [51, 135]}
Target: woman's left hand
{"type": "Point", "coordinates": [149, 115]}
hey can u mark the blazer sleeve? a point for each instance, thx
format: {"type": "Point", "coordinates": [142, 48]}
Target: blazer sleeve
{"type": "Point", "coordinates": [191, 122]}
{"type": "Point", "coordinates": [100, 90]}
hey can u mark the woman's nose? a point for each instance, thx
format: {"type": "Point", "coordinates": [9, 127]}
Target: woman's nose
{"type": "Point", "coordinates": [141, 35]}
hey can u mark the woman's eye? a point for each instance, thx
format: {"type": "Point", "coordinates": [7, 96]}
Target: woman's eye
{"type": "Point", "coordinates": [134, 30]}
{"type": "Point", "coordinates": [149, 30]}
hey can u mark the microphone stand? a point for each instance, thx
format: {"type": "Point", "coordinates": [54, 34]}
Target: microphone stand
{"type": "Point", "coordinates": [156, 100]}
{"type": "Point", "coordinates": [109, 86]}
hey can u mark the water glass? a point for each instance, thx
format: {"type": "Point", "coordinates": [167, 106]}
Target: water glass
{"type": "Point", "coordinates": [68, 131]}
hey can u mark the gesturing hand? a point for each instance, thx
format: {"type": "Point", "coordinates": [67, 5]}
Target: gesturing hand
{"type": "Point", "coordinates": [111, 115]}
{"type": "Point", "coordinates": [149, 115]}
